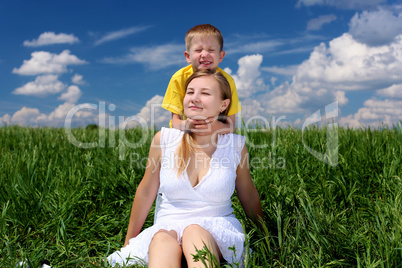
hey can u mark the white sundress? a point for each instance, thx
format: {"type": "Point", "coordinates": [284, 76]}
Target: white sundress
{"type": "Point", "coordinates": [208, 204]}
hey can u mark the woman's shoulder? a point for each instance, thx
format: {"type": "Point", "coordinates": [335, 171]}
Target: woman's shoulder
{"type": "Point", "coordinates": [232, 140]}
{"type": "Point", "coordinates": [170, 135]}
{"type": "Point", "coordinates": [170, 131]}
{"type": "Point", "coordinates": [232, 136]}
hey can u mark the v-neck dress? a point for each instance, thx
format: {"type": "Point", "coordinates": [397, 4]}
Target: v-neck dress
{"type": "Point", "coordinates": [207, 204]}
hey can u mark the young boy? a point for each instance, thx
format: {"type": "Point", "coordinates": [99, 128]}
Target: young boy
{"type": "Point", "coordinates": [204, 44]}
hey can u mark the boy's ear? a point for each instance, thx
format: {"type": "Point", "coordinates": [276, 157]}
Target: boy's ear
{"type": "Point", "coordinates": [187, 55]}
{"type": "Point", "coordinates": [221, 55]}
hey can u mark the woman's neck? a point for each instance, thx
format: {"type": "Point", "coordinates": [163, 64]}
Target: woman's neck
{"type": "Point", "coordinates": [206, 143]}
{"type": "Point", "coordinates": [205, 140]}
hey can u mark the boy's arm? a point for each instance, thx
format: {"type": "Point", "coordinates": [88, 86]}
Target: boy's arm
{"type": "Point", "coordinates": [178, 123]}
{"type": "Point", "coordinates": [204, 127]}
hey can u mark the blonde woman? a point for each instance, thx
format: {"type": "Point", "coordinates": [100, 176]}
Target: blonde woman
{"type": "Point", "coordinates": [196, 176]}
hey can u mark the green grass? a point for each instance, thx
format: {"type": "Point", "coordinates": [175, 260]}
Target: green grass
{"type": "Point", "coordinates": [71, 205]}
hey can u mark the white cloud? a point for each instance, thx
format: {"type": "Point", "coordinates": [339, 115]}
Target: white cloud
{"type": "Point", "coordinates": [342, 4]}
{"type": "Point", "coordinates": [152, 113]}
{"type": "Point", "coordinates": [59, 114]}
{"type": "Point", "coordinates": [331, 71]}
{"type": "Point", "coordinates": [33, 117]}
{"type": "Point", "coordinates": [120, 34]}
{"type": "Point", "coordinates": [345, 65]}
{"type": "Point", "coordinates": [309, 2]}
{"type": "Point", "coordinates": [5, 119]}
{"type": "Point", "coordinates": [349, 65]}
{"type": "Point", "coordinates": [78, 79]}
{"type": "Point", "coordinates": [57, 117]}
{"type": "Point", "coordinates": [273, 80]}
{"type": "Point", "coordinates": [26, 116]}
{"type": "Point", "coordinates": [251, 108]}
{"type": "Point", "coordinates": [255, 47]}
{"type": "Point", "coordinates": [394, 91]}
{"type": "Point", "coordinates": [262, 44]}
{"type": "Point", "coordinates": [341, 98]}
{"type": "Point", "coordinates": [50, 38]}
{"type": "Point", "coordinates": [287, 98]}
{"type": "Point", "coordinates": [376, 28]}
{"type": "Point", "coordinates": [49, 84]}
{"type": "Point", "coordinates": [154, 58]}
{"type": "Point", "coordinates": [297, 50]}
{"type": "Point", "coordinates": [374, 113]}
{"type": "Point", "coordinates": [318, 23]}
{"type": "Point", "coordinates": [42, 62]}
{"type": "Point", "coordinates": [42, 86]}
{"type": "Point", "coordinates": [72, 95]}
{"type": "Point", "coordinates": [247, 78]}
{"type": "Point", "coordinates": [288, 70]}
{"type": "Point", "coordinates": [349, 121]}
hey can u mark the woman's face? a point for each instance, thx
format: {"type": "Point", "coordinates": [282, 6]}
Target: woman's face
{"type": "Point", "coordinates": [203, 98]}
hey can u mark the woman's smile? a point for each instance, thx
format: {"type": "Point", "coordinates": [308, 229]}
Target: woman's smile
{"type": "Point", "coordinates": [203, 98]}
{"type": "Point", "coordinates": [195, 107]}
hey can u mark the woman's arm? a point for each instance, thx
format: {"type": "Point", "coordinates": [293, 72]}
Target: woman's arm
{"type": "Point", "coordinates": [146, 191]}
{"type": "Point", "coordinates": [246, 191]}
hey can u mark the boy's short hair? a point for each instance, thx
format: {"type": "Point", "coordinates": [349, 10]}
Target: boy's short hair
{"type": "Point", "coordinates": [205, 30]}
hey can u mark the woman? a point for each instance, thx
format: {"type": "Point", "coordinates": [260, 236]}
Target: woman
{"type": "Point", "coordinates": [196, 175]}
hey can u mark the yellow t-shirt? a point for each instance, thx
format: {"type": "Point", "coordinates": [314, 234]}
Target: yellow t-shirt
{"type": "Point", "coordinates": [173, 100]}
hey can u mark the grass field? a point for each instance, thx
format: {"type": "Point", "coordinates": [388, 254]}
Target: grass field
{"type": "Point", "coordinates": [71, 205]}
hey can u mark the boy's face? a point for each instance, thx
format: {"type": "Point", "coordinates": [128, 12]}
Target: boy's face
{"type": "Point", "coordinates": [205, 53]}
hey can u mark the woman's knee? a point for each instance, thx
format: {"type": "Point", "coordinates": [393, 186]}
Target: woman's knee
{"type": "Point", "coordinates": [197, 238]}
{"type": "Point", "coordinates": [195, 229]}
{"type": "Point", "coordinates": [195, 235]}
{"type": "Point", "coordinates": [163, 237]}
{"type": "Point", "coordinates": [164, 250]}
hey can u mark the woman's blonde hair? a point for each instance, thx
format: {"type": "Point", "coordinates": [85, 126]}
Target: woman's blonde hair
{"type": "Point", "coordinates": [187, 143]}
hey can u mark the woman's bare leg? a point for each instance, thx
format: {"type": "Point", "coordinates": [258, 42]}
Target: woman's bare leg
{"type": "Point", "coordinates": [164, 250]}
{"type": "Point", "coordinates": [196, 236]}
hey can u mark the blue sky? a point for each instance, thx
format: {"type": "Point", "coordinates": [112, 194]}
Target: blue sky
{"type": "Point", "coordinates": [91, 60]}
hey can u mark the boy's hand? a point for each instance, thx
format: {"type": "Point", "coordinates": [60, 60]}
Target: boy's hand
{"type": "Point", "coordinates": [211, 126]}
{"type": "Point", "coordinates": [198, 125]}
{"type": "Point", "coordinates": [190, 124]}
{"type": "Point", "coordinates": [195, 125]}
{"type": "Point", "coordinates": [204, 126]}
